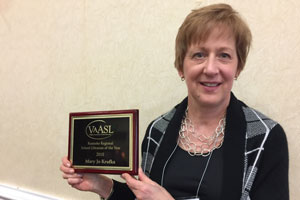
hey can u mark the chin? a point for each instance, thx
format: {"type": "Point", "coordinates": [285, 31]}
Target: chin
{"type": "Point", "coordinates": [213, 101]}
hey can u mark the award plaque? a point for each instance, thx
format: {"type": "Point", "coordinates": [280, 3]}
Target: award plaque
{"type": "Point", "coordinates": [104, 141]}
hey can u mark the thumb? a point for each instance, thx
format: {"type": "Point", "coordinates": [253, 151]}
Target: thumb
{"type": "Point", "coordinates": [143, 177]}
{"type": "Point", "coordinates": [126, 177]}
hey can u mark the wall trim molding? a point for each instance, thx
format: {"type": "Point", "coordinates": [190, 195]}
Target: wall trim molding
{"type": "Point", "coordinates": [14, 193]}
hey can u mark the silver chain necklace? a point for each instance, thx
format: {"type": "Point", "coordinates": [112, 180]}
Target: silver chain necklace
{"type": "Point", "coordinates": [207, 144]}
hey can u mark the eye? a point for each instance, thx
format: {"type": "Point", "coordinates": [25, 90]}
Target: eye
{"type": "Point", "coordinates": [198, 55]}
{"type": "Point", "coordinates": [225, 56]}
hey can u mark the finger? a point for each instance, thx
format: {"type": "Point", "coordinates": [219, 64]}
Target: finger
{"type": "Point", "coordinates": [66, 176]}
{"type": "Point", "coordinates": [131, 181]}
{"type": "Point", "coordinates": [141, 175]}
{"type": "Point", "coordinates": [144, 178]}
{"type": "Point", "coordinates": [66, 162]}
{"type": "Point", "coordinates": [74, 181]}
{"type": "Point", "coordinates": [126, 176]}
{"type": "Point", "coordinates": [66, 170]}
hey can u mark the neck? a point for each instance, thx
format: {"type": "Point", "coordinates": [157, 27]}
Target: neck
{"type": "Point", "coordinates": [206, 115]}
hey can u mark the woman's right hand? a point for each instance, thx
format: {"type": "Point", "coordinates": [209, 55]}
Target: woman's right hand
{"type": "Point", "coordinates": [86, 181]}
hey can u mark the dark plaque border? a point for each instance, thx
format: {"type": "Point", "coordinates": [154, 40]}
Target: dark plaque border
{"type": "Point", "coordinates": [132, 168]}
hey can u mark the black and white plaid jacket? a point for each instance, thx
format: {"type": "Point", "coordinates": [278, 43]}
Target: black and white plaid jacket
{"type": "Point", "coordinates": [255, 153]}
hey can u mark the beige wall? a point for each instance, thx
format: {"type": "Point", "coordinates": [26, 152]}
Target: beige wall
{"type": "Point", "coordinates": [63, 56]}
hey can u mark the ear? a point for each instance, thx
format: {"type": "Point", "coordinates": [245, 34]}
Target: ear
{"type": "Point", "coordinates": [180, 73]}
{"type": "Point", "coordinates": [238, 71]}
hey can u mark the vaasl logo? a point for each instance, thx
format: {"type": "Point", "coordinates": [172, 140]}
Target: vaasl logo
{"type": "Point", "coordinates": [98, 130]}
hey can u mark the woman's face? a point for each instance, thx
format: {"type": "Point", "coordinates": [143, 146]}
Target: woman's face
{"type": "Point", "coordinates": [209, 68]}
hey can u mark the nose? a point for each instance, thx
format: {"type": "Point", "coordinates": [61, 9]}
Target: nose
{"type": "Point", "coordinates": [211, 66]}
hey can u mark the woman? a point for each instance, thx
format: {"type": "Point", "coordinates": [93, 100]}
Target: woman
{"type": "Point", "coordinates": [210, 146]}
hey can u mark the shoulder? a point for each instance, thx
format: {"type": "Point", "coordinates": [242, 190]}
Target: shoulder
{"type": "Point", "coordinates": [161, 123]}
{"type": "Point", "coordinates": [259, 127]}
{"type": "Point", "coordinates": [263, 132]}
{"type": "Point", "coordinates": [257, 122]}
{"type": "Point", "coordinates": [156, 129]}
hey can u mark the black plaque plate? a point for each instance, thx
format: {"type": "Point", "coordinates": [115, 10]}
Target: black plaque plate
{"type": "Point", "coordinates": [104, 141]}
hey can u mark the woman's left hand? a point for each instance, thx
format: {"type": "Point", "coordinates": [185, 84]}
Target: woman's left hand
{"type": "Point", "coordinates": [146, 189]}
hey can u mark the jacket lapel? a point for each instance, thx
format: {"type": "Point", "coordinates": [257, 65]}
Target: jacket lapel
{"type": "Point", "coordinates": [234, 146]}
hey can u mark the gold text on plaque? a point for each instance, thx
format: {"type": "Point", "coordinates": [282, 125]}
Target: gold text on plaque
{"type": "Point", "coordinates": [98, 130]}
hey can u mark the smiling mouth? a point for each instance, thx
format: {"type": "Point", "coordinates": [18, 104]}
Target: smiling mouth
{"type": "Point", "coordinates": [210, 84]}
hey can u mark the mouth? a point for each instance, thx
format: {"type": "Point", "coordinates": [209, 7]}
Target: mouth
{"type": "Point", "coordinates": [210, 84]}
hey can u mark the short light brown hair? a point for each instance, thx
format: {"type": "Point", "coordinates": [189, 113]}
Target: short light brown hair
{"type": "Point", "coordinates": [200, 22]}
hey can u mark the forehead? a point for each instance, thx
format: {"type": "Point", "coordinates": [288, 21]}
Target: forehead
{"type": "Point", "coordinates": [216, 33]}
{"type": "Point", "coordinates": [216, 39]}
